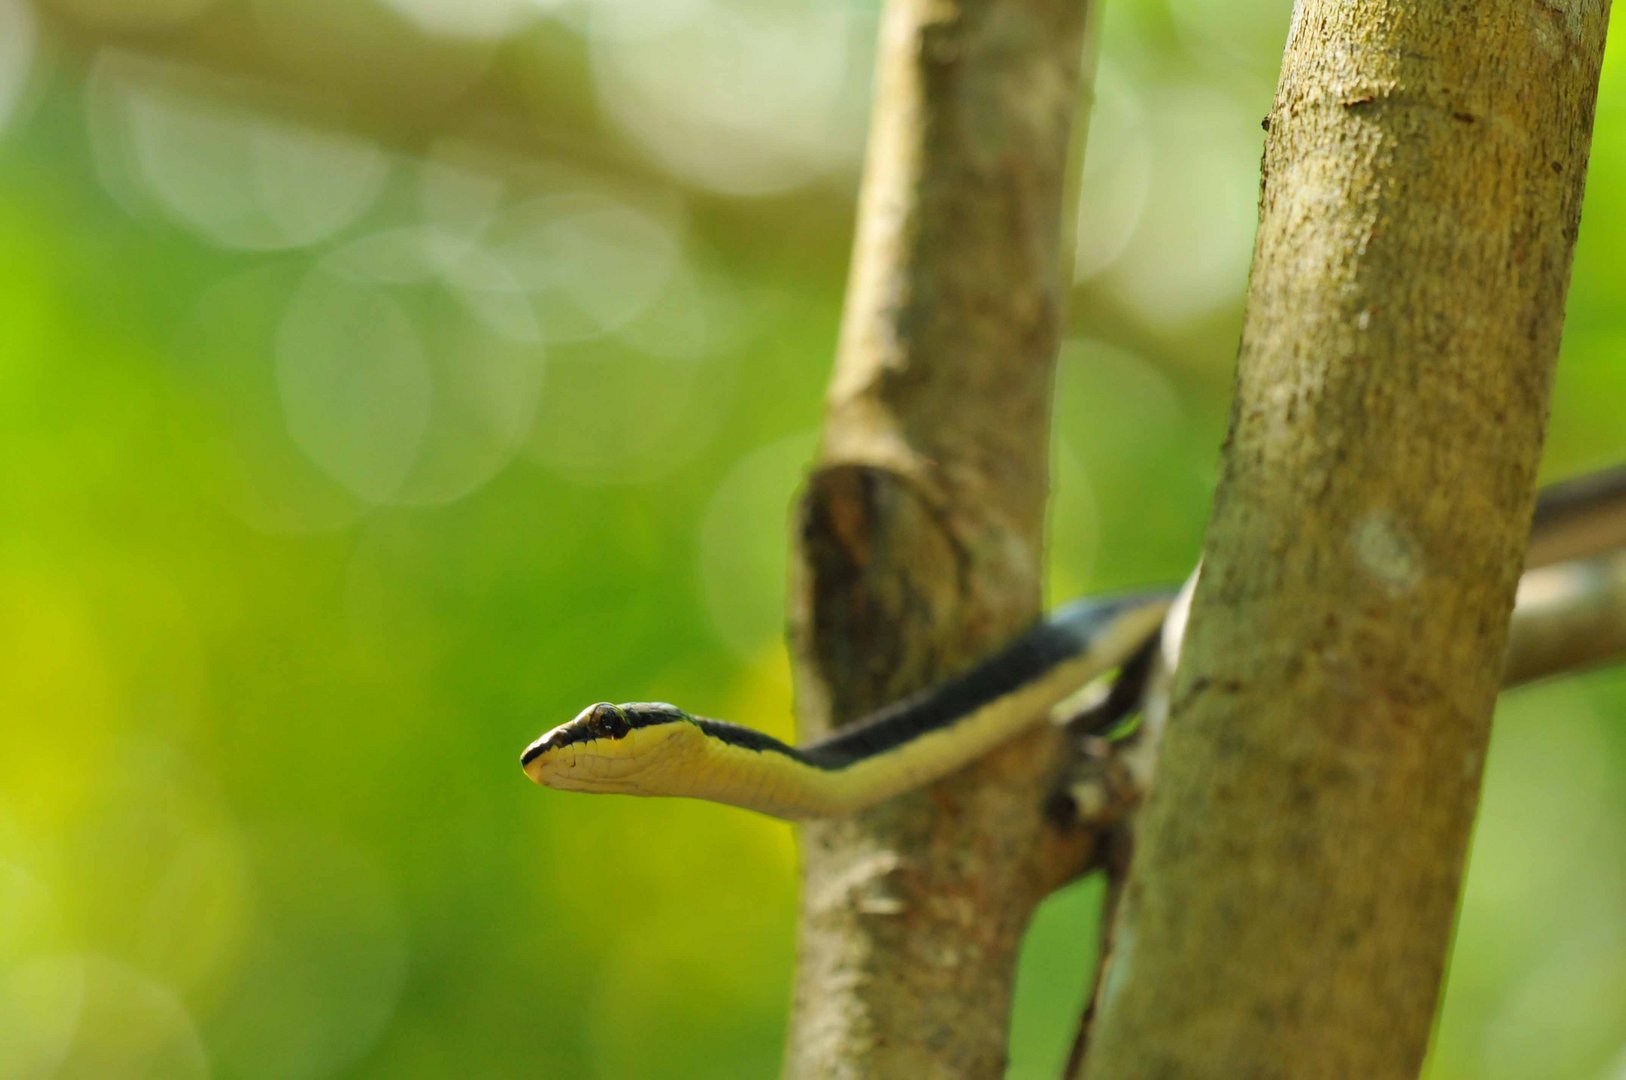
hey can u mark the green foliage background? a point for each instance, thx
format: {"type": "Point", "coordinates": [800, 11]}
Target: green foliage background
{"type": "Point", "coordinates": [346, 444]}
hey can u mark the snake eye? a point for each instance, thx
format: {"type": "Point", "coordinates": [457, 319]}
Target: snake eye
{"type": "Point", "coordinates": [609, 720]}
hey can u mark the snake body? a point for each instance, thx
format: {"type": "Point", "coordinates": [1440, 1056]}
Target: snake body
{"type": "Point", "coordinates": [651, 748]}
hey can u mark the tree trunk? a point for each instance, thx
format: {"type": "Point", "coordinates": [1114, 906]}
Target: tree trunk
{"type": "Point", "coordinates": [1290, 904]}
{"type": "Point", "coordinates": [920, 535]}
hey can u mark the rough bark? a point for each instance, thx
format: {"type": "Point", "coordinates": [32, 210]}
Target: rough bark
{"type": "Point", "coordinates": [920, 535]}
{"type": "Point", "coordinates": [1290, 905]}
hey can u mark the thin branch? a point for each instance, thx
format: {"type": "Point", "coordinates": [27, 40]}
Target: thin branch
{"type": "Point", "coordinates": [1579, 518]}
{"type": "Point", "coordinates": [1570, 616]}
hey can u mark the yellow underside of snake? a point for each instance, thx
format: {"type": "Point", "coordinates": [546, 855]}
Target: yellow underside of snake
{"type": "Point", "coordinates": [658, 749]}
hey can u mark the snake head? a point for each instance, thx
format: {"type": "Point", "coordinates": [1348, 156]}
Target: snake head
{"type": "Point", "coordinates": [609, 747]}
{"type": "Point", "coordinates": [603, 720]}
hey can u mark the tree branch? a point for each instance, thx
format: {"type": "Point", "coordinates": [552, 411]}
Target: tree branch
{"type": "Point", "coordinates": [1298, 862]}
{"type": "Point", "coordinates": [1570, 616]}
{"type": "Point", "coordinates": [920, 535]}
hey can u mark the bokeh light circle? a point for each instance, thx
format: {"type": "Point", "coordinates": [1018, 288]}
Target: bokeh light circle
{"type": "Point", "coordinates": [90, 1015]}
{"type": "Point", "coordinates": [188, 146]}
{"type": "Point", "coordinates": [19, 41]}
{"type": "Point", "coordinates": [354, 383]}
{"type": "Point", "coordinates": [743, 562]}
{"type": "Point", "coordinates": [320, 975]}
{"type": "Point", "coordinates": [778, 106]}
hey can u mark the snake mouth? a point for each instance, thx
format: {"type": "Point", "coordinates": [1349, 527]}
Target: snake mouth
{"type": "Point", "coordinates": [534, 760]}
{"type": "Point", "coordinates": [584, 728]}
{"type": "Point", "coordinates": [550, 770]}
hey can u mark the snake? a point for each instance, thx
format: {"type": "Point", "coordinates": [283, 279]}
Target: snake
{"type": "Point", "coordinates": [658, 749]}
